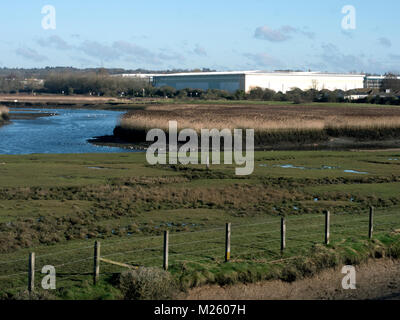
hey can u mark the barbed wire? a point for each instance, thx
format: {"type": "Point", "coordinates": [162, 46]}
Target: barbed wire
{"type": "Point", "coordinates": [336, 225]}
{"type": "Point", "coordinates": [13, 275]}
{"type": "Point", "coordinates": [289, 219]}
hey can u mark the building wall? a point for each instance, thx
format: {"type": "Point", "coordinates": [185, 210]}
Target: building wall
{"type": "Point", "coordinates": [229, 83]}
{"type": "Point", "coordinates": [285, 82]}
{"type": "Point", "coordinates": [249, 80]}
{"type": "Point", "coordinates": [374, 82]}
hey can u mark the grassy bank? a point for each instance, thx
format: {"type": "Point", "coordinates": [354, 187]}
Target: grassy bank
{"type": "Point", "coordinates": [273, 124]}
{"type": "Point", "coordinates": [58, 205]}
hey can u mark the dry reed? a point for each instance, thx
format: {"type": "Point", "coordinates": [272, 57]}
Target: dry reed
{"type": "Point", "coordinates": [263, 118]}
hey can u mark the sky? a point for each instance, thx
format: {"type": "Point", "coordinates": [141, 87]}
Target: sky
{"type": "Point", "coordinates": [217, 34]}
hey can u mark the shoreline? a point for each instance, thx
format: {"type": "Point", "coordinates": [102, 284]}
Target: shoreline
{"type": "Point", "coordinates": [334, 144]}
{"type": "Point", "coordinates": [4, 123]}
{"type": "Point", "coordinates": [135, 139]}
{"type": "Point", "coordinates": [30, 115]}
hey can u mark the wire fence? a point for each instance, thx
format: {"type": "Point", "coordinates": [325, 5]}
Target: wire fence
{"type": "Point", "coordinates": [272, 240]}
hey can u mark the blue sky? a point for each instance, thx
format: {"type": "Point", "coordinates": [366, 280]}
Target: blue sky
{"type": "Point", "coordinates": [218, 34]}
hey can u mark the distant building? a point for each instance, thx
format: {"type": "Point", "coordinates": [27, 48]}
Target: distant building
{"type": "Point", "coordinates": [144, 76]}
{"type": "Point", "coordinates": [246, 80]}
{"type": "Point", "coordinates": [374, 82]}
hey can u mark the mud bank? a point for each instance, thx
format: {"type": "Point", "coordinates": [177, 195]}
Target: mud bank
{"type": "Point", "coordinates": [337, 144]}
{"type": "Point", "coordinates": [377, 280]}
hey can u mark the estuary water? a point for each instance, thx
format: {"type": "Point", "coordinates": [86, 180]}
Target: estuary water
{"type": "Point", "coordinates": [65, 132]}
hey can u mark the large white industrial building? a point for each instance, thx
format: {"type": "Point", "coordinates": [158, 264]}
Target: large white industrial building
{"type": "Point", "coordinates": [247, 80]}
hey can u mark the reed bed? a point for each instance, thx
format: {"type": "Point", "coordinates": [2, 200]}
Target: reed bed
{"type": "Point", "coordinates": [271, 123]}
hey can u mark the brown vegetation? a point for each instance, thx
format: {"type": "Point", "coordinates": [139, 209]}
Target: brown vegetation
{"type": "Point", "coordinates": [262, 118]}
{"type": "Point", "coordinates": [273, 124]}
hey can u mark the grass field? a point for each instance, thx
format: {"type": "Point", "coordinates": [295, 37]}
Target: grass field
{"type": "Point", "coordinates": [58, 205]}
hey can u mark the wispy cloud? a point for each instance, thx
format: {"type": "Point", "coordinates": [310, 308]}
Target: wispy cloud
{"type": "Point", "coordinates": [135, 51]}
{"type": "Point", "coordinates": [200, 51]}
{"type": "Point", "coordinates": [347, 33]}
{"type": "Point", "coordinates": [128, 52]}
{"type": "Point", "coordinates": [263, 60]}
{"type": "Point", "coordinates": [54, 42]}
{"type": "Point", "coordinates": [394, 56]}
{"type": "Point", "coordinates": [282, 34]}
{"type": "Point", "coordinates": [97, 50]}
{"type": "Point", "coordinates": [30, 54]}
{"type": "Point", "coordinates": [332, 56]}
{"type": "Point", "coordinates": [385, 42]}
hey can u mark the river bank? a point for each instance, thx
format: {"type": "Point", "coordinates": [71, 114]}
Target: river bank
{"type": "Point", "coordinates": [338, 144]}
{"type": "Point", "coordinates": [52, 101]}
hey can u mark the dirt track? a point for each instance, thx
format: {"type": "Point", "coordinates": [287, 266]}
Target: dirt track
{"type": "Point", "coordinates": [376, 280]}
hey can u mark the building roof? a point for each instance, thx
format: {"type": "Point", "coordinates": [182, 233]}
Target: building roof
{"type": "Point", "coordinates": [259, 72]}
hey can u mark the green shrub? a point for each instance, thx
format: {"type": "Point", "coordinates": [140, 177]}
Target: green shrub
{"type": "Point", "coordinates": [147, 284]}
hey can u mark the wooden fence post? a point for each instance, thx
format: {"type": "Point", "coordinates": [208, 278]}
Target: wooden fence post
{"type": "Point", "coordinates": [228, 242]}
{"type": "Point", "coordinates": [96, 268]}
{"type": "Point", "coordinates": [327, 226]}
{"type": "Point", "coordinates": [283, 233]}
{"type": "Point", "coordinates": [31, 272]}
{"type": "Point", "coordinates": [165, 264]}
{"type": "Point", "coordinates": [371, 222]}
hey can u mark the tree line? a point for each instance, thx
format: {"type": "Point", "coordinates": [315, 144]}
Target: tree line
{"type": "Point", "coordinates": [295, 95]}
{"type": "Point", "coordinates": [99, 82]}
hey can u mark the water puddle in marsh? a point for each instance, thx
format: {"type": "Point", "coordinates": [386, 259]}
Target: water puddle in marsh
{"type": "Point", "coordinates": [355, 171]}
{"type": "Point", "coordinates": [291, 166]}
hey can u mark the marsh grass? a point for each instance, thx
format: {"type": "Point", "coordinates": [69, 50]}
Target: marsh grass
{"type": "Point", "coordinates": [272, 123]}
{"type": "Point", "coordinates": [56, 207]}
